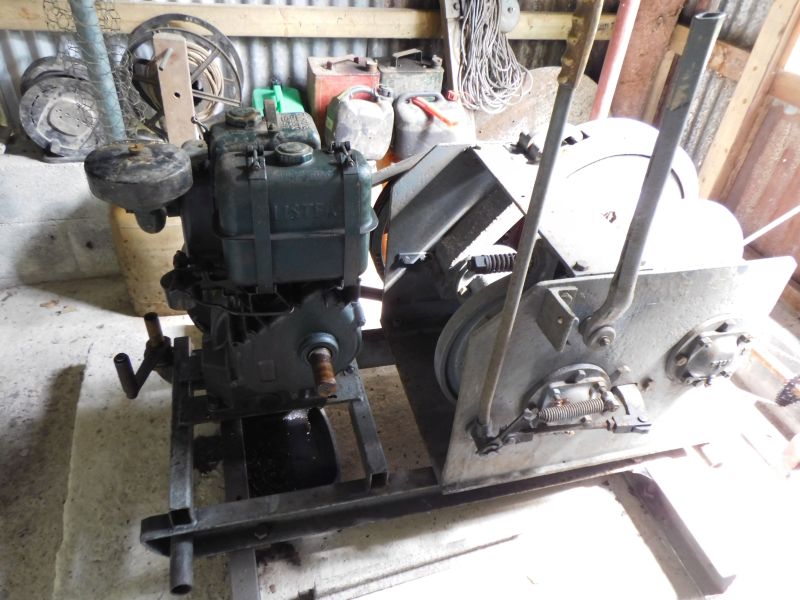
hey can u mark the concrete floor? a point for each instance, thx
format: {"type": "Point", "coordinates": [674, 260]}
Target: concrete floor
{"type": "Point", "coordinates": [80, 465]}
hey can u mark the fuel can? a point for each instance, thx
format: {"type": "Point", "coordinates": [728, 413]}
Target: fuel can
{"type": "Point", "coordinates": [363, 117]}
{"type": "Point", "coordinates": [407, 71]}
{"type": "Point", "coordinates": [330, 76]}
{"type": "Point", "coordinates": [417, 130]}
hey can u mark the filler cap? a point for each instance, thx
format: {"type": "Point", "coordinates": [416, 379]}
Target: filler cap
{"type": "Point", "coordinates": [294, 153]}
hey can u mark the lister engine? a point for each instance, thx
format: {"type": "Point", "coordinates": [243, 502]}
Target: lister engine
{"type": "Point", "coordinates": [565, 349]}
{"type": "Point", "coordinates": [276, 237]}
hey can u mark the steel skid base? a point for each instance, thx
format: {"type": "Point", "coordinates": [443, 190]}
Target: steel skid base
{"type": "Point", "coordinates": [243, 524]}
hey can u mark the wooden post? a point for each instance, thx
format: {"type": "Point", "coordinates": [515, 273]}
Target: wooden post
{"type": "Point", "coordinates": [650, 40]}
{"type": "Point", "coordinates": [172, 65]}
{"type": "Point", "coordinates": [450, 11]}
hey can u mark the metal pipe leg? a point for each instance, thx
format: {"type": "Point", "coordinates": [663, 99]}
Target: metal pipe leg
{"type": "Point", "coordinates": [181, 573]}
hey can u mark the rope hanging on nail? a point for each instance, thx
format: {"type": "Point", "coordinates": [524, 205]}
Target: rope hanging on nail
{"type": "Point", "coordinates": [490, 78]}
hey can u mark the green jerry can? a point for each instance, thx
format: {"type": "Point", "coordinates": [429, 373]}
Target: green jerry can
{"type": "Point", "coordinates": [287, 100]}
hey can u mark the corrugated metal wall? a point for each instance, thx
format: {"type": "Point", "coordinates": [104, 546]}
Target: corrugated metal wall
{"type": "Point", "coordinates": [263, 58]}
{"type": "Point", "coordinates": [768, 184]}
{"type": "Point", "coordinates": [283, 58]}
{"type": "Point", "coordinates": [743, 21]}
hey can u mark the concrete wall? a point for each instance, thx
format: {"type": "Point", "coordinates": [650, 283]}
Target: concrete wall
{"type": "Point", "coordinates": [51, 227]}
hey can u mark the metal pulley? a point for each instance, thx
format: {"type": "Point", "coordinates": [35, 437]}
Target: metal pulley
{"type": "Point", "coordinates": [53, 66]}
{"type": "Point", "coordinates": [216, 72]}
{"type": "Point", "coordinates": [59, 113]}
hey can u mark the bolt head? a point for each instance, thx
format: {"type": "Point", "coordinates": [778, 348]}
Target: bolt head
{"type": "Point", "coordinates": [704, 341]}
{"type": "Point", "coordinates": [681, 360]}
{"type": "Point", "coordinates": [604, 340]}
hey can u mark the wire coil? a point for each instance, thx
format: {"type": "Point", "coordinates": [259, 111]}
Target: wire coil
{"type": "Point", "coordinates": [490, 78]}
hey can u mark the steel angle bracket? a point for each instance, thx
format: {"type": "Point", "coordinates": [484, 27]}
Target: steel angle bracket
{"type": "Point", "coordinates": [555, 318]}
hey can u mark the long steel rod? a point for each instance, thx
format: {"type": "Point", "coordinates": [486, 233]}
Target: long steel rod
{"type": "Point", "coordinates": [93, 49]}
{"type": "Point", "coordinates": [579, 43]}
{"type": "Point", "coordinates": [598, 328]}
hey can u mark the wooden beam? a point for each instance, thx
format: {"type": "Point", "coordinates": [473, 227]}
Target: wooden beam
{"type": "Point", "coordinates": [555, 26]}
{"type": "Point", "coordinates": [726, 59]}
{"type": "Point", "coordinates": [730, 140]}
{"type": "Point", "coordinates": [652, 32]}
{"type": "Point", "coordinates": [786, 88]}
{"type": "Point", "coordinates": [256, 20]}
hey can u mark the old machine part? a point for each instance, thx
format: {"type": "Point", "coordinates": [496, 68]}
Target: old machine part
{"type": "Point", "coordinates": [216, 72]}
{"type": "Point", "coordinates": [57, 109]}
{"type": "Point", "coordinates": [278, 232]}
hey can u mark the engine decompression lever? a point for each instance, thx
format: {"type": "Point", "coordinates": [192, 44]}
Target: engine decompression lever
{"type": "Point", "coordinates": [579, 43]}
{"type": "Point", "coordinates": [597, 329]}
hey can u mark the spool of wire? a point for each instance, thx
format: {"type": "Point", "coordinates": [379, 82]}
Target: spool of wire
{"type": "Point", "coordinates": [491, 78]}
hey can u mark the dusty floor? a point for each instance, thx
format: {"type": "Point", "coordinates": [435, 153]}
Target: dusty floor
{"type": "Point", "coordinates": [80, 465]}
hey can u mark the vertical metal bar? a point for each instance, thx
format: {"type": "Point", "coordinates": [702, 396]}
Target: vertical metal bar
{"type": "Point", "coordinates": [376, 468]}
{"type": "Point", "coordinates": [180, 479]}
{"type": "Point", "coordinates": [90, 41]}
{"type": "Point", "coordinates": [242, 566]}
{"type": "Point", "coordinates": [579, 43]}
{"type": "Point", "coordinates": [597, 329]}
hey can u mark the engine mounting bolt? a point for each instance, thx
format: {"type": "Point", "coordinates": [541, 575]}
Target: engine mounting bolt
{"type": "Point", "coordinates": [324, 375]}
{"type": "Point", "coordinates": [681, 360]}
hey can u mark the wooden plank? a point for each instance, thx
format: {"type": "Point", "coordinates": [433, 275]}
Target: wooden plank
{"type": "Point", "coordinates": [255, 20]}
{"type": "Point", "coordinates": [730, 140]}
{"type": "Point", "coordinates": [786, 88]}
{"type": "Point", "coordinates": [175, 84]}
{"type": "Point", "coordinates": [652, 32]}
{"type": "Point", "coordinates": [726, 59]}
{"type": "Point", "coordinates": [657, 90]}
{"type": "Point", "coordinates": [555, 26]}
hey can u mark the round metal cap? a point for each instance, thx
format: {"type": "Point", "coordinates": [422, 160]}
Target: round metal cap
{"type": "Point", "coordinates": [294, 153]}
{"type": "Point", "coordinates": [138, 176]}
{"type": "Point", "coordinates": [242, 116]}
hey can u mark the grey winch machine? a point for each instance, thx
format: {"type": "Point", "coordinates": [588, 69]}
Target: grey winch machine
{"type": "Point", "coordinates": [627, 296]}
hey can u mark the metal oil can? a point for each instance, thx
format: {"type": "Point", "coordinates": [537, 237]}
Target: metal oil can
{"type": "Point", "coordinates": [363, 117]}
{"type": "Point", "coordinates": [330, 76]}
{"type": "Point", "coordinates": [407, 71]}
{"type": "Point", "coordinates": [416, 130]}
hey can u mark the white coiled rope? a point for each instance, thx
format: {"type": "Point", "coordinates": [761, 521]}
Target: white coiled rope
{"type": "Point", "coordinates": [491, 78]}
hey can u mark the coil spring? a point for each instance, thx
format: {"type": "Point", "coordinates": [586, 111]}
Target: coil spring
{"type": "Point", "coordinates": [492, 263]}
{"type": "Point", "coordinates": [570, 411]}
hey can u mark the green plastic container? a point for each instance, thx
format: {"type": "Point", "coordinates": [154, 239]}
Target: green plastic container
{"type": "Point", "coordinates": [287, 100]}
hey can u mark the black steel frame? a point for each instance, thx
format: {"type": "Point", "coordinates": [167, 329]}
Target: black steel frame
{"type": "Point", "coordinates": [241, 524]}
